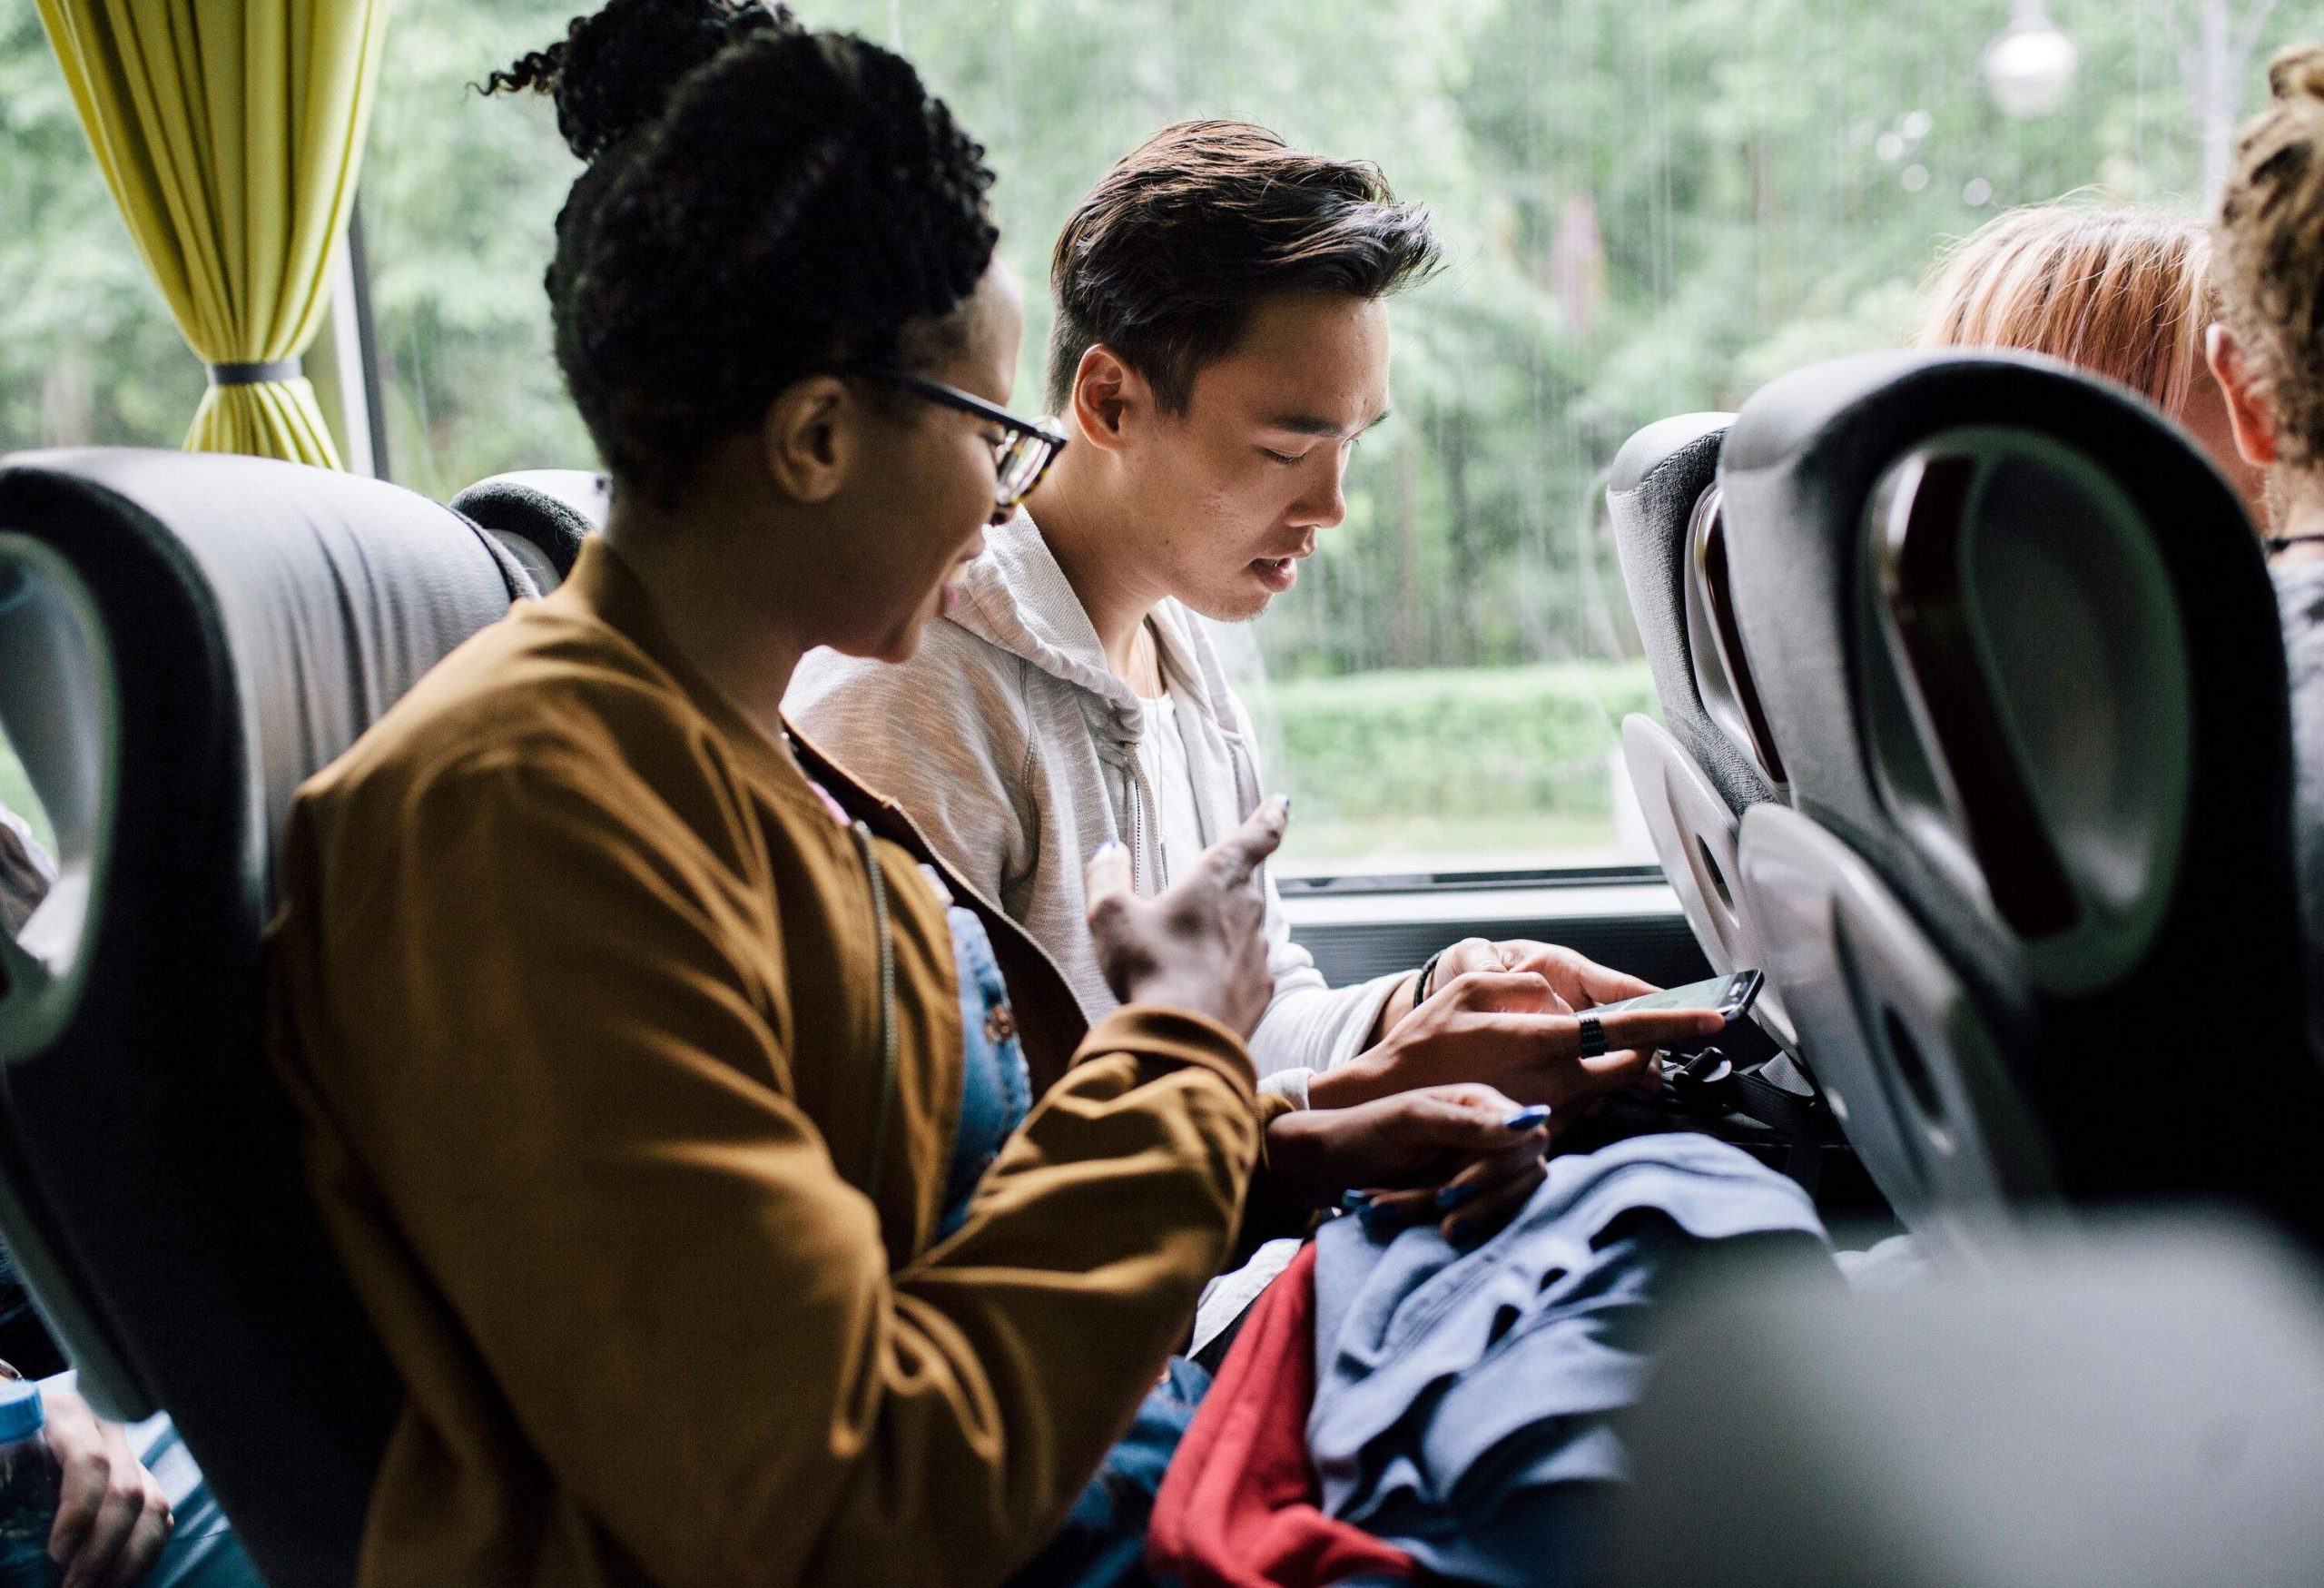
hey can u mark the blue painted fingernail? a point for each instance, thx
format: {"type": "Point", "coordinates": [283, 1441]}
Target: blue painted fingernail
{"type": "Point", "coordinates": [1379, 1221]}
{"type": "Point", "coordinates": [1353, 1201]}
{"type": "Point", "coordinates": [1109, 847]}
{"type": "Point", "coordinates": [1451, 1197]}
{"type": "Point", "coordinates": [1529, 1118]}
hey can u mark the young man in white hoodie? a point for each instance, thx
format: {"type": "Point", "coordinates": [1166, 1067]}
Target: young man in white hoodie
{"type": "Point", "coordinates": [1220, 345]}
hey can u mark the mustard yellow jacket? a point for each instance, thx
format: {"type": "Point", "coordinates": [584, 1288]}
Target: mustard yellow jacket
{"type": "Point", "coordinates": [580, 989]}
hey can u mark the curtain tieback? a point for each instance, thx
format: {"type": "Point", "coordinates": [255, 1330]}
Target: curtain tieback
{"type": "Point", "coordinates": [253, 374]}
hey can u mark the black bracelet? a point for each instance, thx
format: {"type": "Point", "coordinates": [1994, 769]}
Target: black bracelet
{"type": "Point", "coordinates": [1427, 976]}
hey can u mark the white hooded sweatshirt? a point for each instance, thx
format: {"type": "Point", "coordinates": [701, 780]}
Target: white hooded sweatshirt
{"type": "Point", "coordinates": [1015, 748]}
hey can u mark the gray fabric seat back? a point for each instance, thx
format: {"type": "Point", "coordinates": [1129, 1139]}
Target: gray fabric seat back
{"type": "Point", "coordinates": [2142, 1407]}
{"type": "Point", "coordinates": [183, 639]}
{"type": "Point", "coordinates": [540, 515]}
{"type": "Point", "coordinates": [1715, 757]}
{"type": "Point", "coordinates": [2014, 636]}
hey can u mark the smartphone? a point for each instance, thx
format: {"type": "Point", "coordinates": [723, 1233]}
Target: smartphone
{"type": "Point", "coordinates": [1730, 995]}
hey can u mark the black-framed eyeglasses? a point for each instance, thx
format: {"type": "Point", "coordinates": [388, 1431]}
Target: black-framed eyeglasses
{"type": "Point", "coordinates": [1020, 458]}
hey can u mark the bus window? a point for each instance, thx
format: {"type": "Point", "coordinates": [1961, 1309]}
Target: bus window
{"type": "Point", "coordinates": [1647, 210]}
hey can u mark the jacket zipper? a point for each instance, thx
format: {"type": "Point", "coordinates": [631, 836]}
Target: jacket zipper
{"type": "Point", "coordinates": [879, 883]}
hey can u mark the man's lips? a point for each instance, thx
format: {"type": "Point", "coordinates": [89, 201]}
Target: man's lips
{"type": "Point", "coordinates": [1279, 574]}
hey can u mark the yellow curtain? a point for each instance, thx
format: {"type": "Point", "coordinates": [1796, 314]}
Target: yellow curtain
{"type": "Point", "coordinates": [230, 132]}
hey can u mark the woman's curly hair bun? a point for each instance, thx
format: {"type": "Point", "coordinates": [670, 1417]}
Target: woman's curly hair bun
{"type": "Point", "coordinates": [615, 70]}
{"type": "Point", "coordinates": [761, 202]}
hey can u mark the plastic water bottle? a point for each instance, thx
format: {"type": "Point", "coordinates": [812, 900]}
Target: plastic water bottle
{"type": "Point", "coordinates": [28, 1489]}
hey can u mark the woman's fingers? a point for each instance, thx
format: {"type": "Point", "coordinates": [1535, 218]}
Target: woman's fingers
{"type": "Point", "coordinates": [1200, 946]}
{"type": "Point", "coordinates": [1107, 879]}
{"type": "Point", "coordinates": [1466, 1118]}
{"type": "Point", "coordinates": [1234, 859]}
{"type": "Point", "coordinates": [1495, 1203]}
{"type": "Point", "coordinates": [1515, 1159]}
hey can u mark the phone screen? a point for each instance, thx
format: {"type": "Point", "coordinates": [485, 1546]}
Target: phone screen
{"type": "Point", "coordinates": [1730, 995]}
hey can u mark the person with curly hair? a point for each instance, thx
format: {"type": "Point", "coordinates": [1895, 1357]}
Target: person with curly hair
{"type": "Point", "coordinates": [735, 1205]}
{"type": "Point", "coordinates": [2267, 355]}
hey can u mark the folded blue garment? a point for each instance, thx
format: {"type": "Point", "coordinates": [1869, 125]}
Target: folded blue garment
{"type": "Point", "coordinates": [1466, 1400]}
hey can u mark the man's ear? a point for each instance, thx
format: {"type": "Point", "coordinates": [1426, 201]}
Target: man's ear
{"type": "Point", "coordinates": [2248, 413]}
{"type": "Point", "coordinates": [1108, 397]}
{"type": "Point", "coordinates": [808, 437]}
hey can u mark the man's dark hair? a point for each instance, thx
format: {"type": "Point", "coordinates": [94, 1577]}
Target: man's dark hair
{"type": "Point", "coordinates": [761, 202]}
{"type": "Point", "coordinates": [1170, 254]}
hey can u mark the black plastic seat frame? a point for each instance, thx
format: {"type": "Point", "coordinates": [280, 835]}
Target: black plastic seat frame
{"type": "Point", "coordinates": [183, 639]}
{"type": "Point", "coordinates": [2182, 1071]}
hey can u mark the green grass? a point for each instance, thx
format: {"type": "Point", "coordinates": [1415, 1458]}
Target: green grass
{"type": "Point", "coordinates": [16, 793]}
{"type": "Point", "coordinates": [1432, 761]}
{"type": "Point", "coordinates": [1402, 768]}
{"type": "Point", "coordinates": [1400, 843]}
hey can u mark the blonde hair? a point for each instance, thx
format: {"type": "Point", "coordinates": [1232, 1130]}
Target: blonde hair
{"type": "Point", "coordinates": [2117, 290]}
{"type": "Point", "coordinates": [2269, 241]}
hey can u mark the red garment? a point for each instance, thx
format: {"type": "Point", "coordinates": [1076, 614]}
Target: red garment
{"type": "Point", "coordinates": [1238, 1508]}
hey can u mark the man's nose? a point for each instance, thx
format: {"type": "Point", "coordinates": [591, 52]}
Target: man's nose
{"type": "Point", "coordinates": [1323, 504]}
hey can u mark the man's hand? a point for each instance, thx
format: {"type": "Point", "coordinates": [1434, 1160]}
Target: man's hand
{"type": "Point", "coordinates": [1514, 1031]}
{"type": "Point", "coordinates": [1200, 946]}
{"type": "Point", "coordinates": [1582, 981]}
{"type": "Point", "coordinates": [111, 1517]}
{"type": "Point", "coordinates": [1443, 1154]}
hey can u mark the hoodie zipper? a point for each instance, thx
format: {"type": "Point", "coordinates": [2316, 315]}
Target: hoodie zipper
{"type": "Point", "coordinates": [879, 884]}
{"type": "Point", "coordinates": [1140, 792]}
